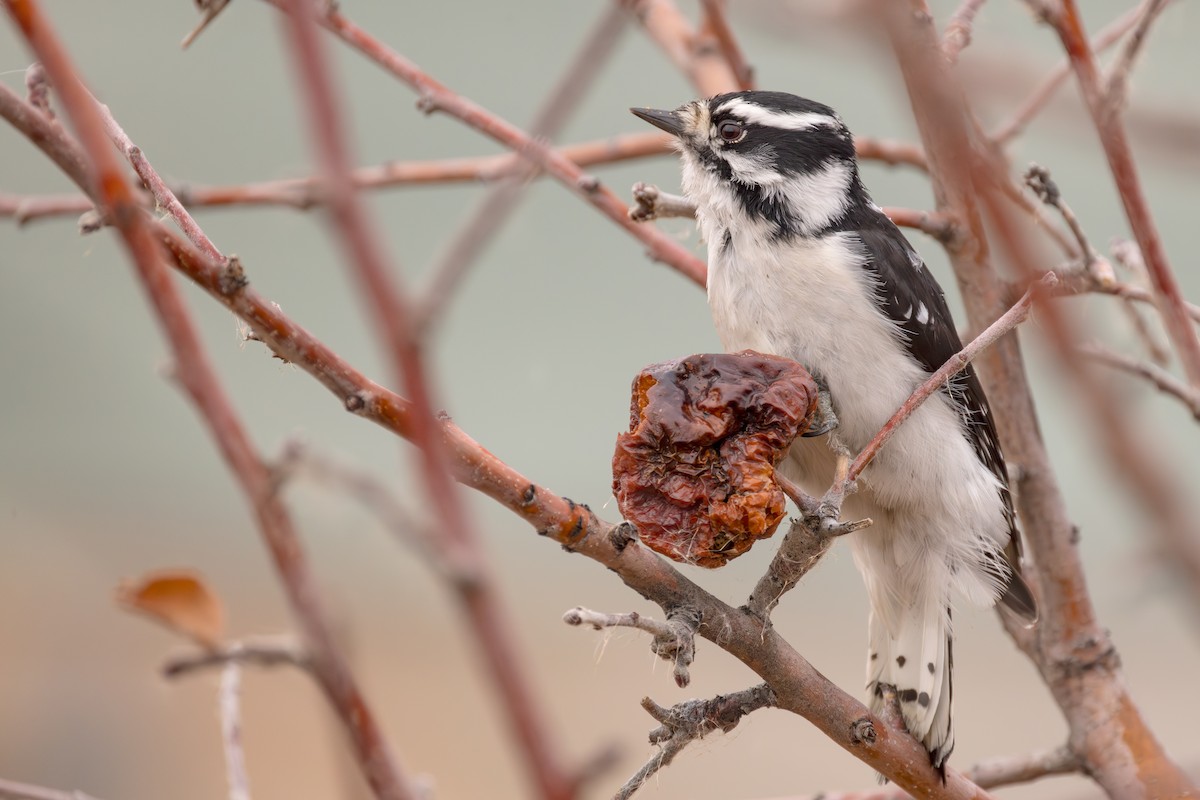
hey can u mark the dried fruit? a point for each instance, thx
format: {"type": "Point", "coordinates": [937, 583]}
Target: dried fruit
{"type": "Point", "coordinates": [695, 473]}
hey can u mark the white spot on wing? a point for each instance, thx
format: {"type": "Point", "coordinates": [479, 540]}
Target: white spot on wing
{"type": "Point", "coordinates": [922, 314]}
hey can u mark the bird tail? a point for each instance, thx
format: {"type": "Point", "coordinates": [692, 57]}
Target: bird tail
{"type": "Point", "coordinates": [915, 656]}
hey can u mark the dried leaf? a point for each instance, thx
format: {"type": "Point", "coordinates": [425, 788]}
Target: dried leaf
{"type": "Point", "coordinates": [178, 599]}
{"type": "Point", "coordinates": [696, 472]}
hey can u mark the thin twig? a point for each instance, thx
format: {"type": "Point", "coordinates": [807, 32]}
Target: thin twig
{"type": "Point", "coordinates": [1069, 25]}
{"type": "Point", "coordinates": [650, 203]}
{"type": "Point", "coordinates": [260, 652]}
{"type": "Point", "coordinates": [957, 34]}
{"type": "Point", "coordinates": [375, 496]}
{"type": "Point", "coordinates": [303, 194]}
{"type": "Point", "coordinates": [437, 97]}
{"type": "Point", "coordinates": [1126, 254]}
{"type": "Point", "coordinates": [674, 640]}
{"type": "Point", "coordinates": [1041, 95]}
{"type": "Point", "coordinates": [688, 721]}
{"type": "Point", "coordinates": [229, 703]}
{"type": "Point", "coordinates": [716, 21]}
{"type": "Point", "coordinates": [1162, 379]}
{"type": "Point", "coordinates": [211, 9]}
{"type": "Point", "coordinates": [956, 363]}
{"type": "Point", "coordinates": [1117, 87]}
{"type": "Point", "coordinates": [503, 199]}
{"type": "Point", "coordinates": [1038, 179]}
{"type": "Point", "coordinates": [992, 773]}
{"type": "Point", "coordinates": [11, 790]}
{"type": "Point", "coordinates": [384, 296]}
{"type": "Point", "coordinates": [705, 67]}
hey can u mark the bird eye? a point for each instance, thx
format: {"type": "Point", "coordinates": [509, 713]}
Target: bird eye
{"type": "Point", "coordinates": [730, 131]}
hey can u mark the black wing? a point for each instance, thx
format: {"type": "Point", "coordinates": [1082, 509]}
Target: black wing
{"type": "Point", "coordinates": [911, 297]}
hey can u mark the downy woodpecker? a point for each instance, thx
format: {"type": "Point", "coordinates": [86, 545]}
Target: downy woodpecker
{"type": "Point", "coordinates": [803, 264]}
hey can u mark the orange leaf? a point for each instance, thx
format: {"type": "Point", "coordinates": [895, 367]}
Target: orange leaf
{"type": "Point", "coordinates": [179, 599]}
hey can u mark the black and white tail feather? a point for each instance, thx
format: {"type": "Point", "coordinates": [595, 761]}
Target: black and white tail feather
{"type": "Point", "coordinates": [802, 264]}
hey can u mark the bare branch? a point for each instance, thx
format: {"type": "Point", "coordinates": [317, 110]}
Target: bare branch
{"type": "Point", "coordinates": [386, 300]}
{"type": "Point", "coordinates": [688, 721]}
{"type": "Point", "coordinates": [1164, 381]}
{"type": "Point", "coordinates": [229, 703]}
{"type": "Point", "coordinates": [210, 8]}
{"type": "Point", "coordinates": [716, 21]}
{"type": "Point", "coordinates": [1038, 179]}
{"type": "Point", "coordinates": [1040, 96]}
{"type": "Point", "coordinates": [650, 203]}
{"type": "Point", "coordinates": [197, 377]}
{"type": "Point", "coordinates": [11, 790]}
{"type": "Point", "coordinates": [674, 640]}
{"type": "Point", "coordinates": [1069, 26]}
{"type": "Point", "coordinates": [1010, 320]}
{"type": "Point", "coordinates": [303, 194]}
{"type": "Point", "coordinates": [1117, 89]}
{"type": "Point", "coordinates": [957, 34]}
{"type": "Point", "coordinates": [502, 200]}
{"type": "Point", "coordinates": [261, 652]}
{"type": "Point", "coordinates": [437, 97]}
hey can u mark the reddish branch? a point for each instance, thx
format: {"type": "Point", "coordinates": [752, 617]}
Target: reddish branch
{"type": "Point", "coordinates": [197, 377]}
{"type": "Point", "coordinates": [1073, 652]}
{"type": "Point", "coordinates": [502, 200]}
{"type": "Point", "coordinates": [437, 97]}
{"type": "Point", "coordinates": [716, 22]}
{"type": "Point", "coordinates": [1069, 25]}
{"type": "Point", "coordinates": [1040, 96]}
{"type": "Point", "coordinates": [384, 296]}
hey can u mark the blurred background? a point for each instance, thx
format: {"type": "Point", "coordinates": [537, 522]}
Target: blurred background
{"type": "Point", "coordinates": [105, 472]}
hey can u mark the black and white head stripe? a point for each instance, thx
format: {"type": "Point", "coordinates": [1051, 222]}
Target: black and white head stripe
{"type": "Point", "coordinates": [789, 160]}
{"type": "Point", "coordinates": [776, 116]}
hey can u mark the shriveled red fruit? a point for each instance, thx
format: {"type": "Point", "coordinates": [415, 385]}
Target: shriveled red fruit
{"type": "Point", "coordinates": [696, 472]}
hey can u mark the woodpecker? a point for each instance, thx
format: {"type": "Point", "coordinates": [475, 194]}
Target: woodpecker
{"type": "Point", "coordinates": [802, 264]}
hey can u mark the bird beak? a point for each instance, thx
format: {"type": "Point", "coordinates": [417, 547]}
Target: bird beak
{"type": "Point", "coordinates": [669, 121]}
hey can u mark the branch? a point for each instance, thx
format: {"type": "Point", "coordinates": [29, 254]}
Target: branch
{"type": "Point", "coordinates": [958, 30]}
{"type": "Point", "coordinates": [1117, 90]}
{"type": "Point", "coordinates": [1038, 179]}
{"type": "Point", "coordinates": [1041, 95]}
{"type": "Point", "coordinates": [384, 296]}
{"type": "Point", "coordinates": [437, 97]}
{"type": "Point", "coordinates": [716, 22]}
{"type": "Point", "coordinates": [501, 201]}
{"type": "Point", "coordinates": [1069, 26]}
{"type": "Point", "coordinates": [1163, 380]}
{"type": "Point", "coordinates": [376, 497]}
{"type": "Point", "coordinates": [197, 377]}
{"type": "Point", "coordinates": [1010, 320]}
{"type": "Point", "coordinates": [1072, 651]}
{"type": "Point", "coordinates": [272, 652]}
{"type": "Point", "coordinates": [650, 203]}
{"type": "Point", "coordinates": [305, 193]}
{"type": "Point", "coordinates": [11, 790]}
{"type": "Point", "coordinates": [990, 774]}
{"type": "Point", "coordinates": [690, 720]}
{"type": "Point", "coordinates": [705, 67]}
{"type": "Point", "coordinates": [674, 640]}
{"type": "Point", "coordinates": [229, 703]}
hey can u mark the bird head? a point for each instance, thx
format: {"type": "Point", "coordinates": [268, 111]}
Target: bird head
{"type": "Point", "coordinates": [784, 161]}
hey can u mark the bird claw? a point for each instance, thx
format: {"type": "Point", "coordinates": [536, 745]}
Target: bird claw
{"type": "Point", "coordinates": [824, 419]}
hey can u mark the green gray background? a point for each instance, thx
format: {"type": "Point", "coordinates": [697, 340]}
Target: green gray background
{"type": "Point", "coordinates": [105, 472]}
